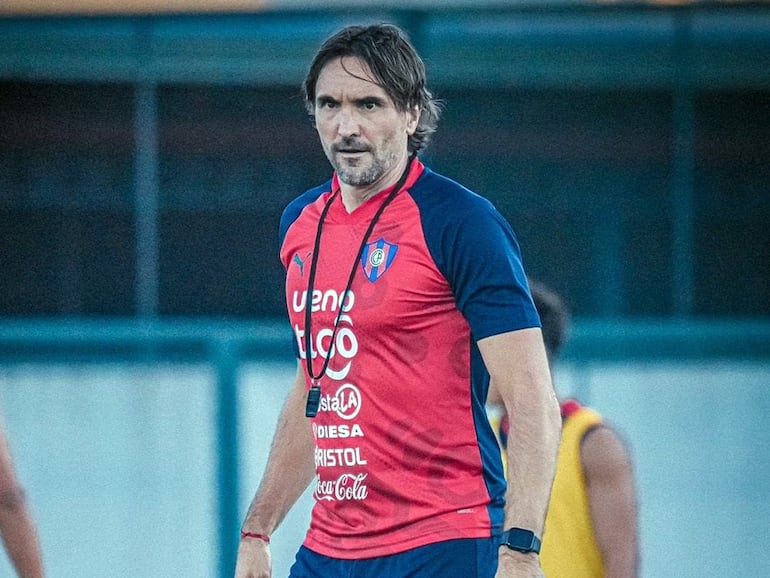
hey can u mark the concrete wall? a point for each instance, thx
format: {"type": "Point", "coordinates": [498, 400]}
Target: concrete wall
{"type": "Point", "coordinates": [119, 461]}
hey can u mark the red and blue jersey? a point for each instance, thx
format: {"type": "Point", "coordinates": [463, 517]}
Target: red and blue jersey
{"type": "Point", "coordinates": [404, 453]}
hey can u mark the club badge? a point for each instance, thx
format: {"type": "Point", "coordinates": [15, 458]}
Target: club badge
{"type": "Point", "coordinates": [377, 258]}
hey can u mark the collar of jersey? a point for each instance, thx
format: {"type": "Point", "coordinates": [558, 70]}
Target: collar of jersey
{"type": "Point", "coordinates": [339, 214]}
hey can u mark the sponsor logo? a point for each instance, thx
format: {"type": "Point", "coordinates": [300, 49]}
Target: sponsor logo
{"type": "Point", "coordinates": [301, 263]}
{"type": "Point", "coordinates": [345, 343]}
{"type": "Point", "coordinates": [329, 300]}
{"type": "Point", "coordinates": [346, 403]}
{"type": "Point", "coordinates": [341, 431]}
{"type": "Point", "coordinates": [345, 488]}
{"type": "Point", "coordinates": [334, 457]}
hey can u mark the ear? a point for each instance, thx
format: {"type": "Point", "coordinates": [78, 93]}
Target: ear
{"type": "Point", "coordinates": [413, 119]}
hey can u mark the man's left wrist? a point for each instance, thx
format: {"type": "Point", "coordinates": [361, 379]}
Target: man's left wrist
{"type": "Point", "coordinates": [508, 558]}
{"type": "Point", "coordinates": [515, 554]}
{"type": "Point", "coordinates": [521, 540]}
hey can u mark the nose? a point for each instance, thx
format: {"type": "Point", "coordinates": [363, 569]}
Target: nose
{"type": "Point", "coordinates": [347, 122]}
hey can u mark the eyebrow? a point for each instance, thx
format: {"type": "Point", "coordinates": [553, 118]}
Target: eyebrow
{"type": "Point", "coordinates": [370, 99]}
{"type": "Point", "coordinates": [326, 99]}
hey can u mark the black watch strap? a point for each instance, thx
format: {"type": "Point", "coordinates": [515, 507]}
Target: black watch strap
{"type": "Point", "coordinates": [521, 540]}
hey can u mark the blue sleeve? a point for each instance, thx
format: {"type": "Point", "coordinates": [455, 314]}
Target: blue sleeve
{"type": "Point", "coordinates": [289, 215]}
{"type": "Point", "coordinates": [294, 208]}
{"type": "Point", "coordinates": [476, 249]}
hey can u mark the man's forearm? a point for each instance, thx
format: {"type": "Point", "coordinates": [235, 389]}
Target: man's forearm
{"type": "Point", "coordinates": [289, 470]}
{"type": "Point", "coordinates": [533, 441]}
{"type": "Point", "coordinates": [519, 373]}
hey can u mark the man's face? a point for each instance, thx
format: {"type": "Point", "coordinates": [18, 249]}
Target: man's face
{"type": "Point", "coordinates": [362, 133]}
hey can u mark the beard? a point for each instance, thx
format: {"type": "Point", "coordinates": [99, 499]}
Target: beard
{"type": "Point", "coordinates": [360, 177]}
{"type": "Point", "coordinates": [361, 173]}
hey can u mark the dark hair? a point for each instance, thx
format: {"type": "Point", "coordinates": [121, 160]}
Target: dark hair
{"type": "Point", "coordinates": [554, 317]}
{"type": "Point", "coordinates": [394, 65]}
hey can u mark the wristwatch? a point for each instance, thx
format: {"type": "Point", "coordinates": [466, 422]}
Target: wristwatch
{"type": "Point", "coordinates": [521, 540]}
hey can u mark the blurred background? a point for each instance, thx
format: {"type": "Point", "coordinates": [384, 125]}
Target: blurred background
{"type": "Point", "coordinates": [147, 149]}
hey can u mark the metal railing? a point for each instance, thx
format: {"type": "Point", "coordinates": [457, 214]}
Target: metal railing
{"type": "Point", "coordinates": [228, 344]}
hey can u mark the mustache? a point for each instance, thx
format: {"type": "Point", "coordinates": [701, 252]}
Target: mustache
{"type": "Point", "coordinates": [350, 146]}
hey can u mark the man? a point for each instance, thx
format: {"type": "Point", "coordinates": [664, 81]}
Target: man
{"type": "Point", "coordinates": [407, 298]}
{"type": "Point", "coordinates": [16, 524]}
{"type": "Point", "coordinates": [591, 526]}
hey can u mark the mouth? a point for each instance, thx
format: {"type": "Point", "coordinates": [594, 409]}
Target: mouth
{"type": "Point", "coordinates": [350, 150]}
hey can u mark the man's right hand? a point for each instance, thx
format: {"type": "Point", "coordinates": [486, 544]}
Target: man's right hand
{"type": "Point", "coordinates": [254, 560]}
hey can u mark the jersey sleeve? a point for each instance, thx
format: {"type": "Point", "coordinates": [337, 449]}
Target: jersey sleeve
{"type": "Point", "coordinates": [293, 210]}
{"type": "Point", "coordinates": [290, 215]}
{"type": "Point", "coordinates": [476, 249]}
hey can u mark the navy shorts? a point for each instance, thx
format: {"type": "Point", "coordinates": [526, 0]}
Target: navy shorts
{"type": "Point", "coordinates": [464, 558]}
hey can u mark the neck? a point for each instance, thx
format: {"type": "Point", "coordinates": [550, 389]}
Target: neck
{"type": "Point", "coordinates": [353, 196]}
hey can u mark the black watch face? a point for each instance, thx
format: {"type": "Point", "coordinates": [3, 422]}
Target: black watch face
{"type": "Point", "coordinates": [522, 540]}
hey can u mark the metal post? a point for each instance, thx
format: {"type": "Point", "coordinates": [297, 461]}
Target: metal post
{"type": "Point", "coordinates": [683, 186]}
{"type": "Point", "coordinates": [226, 359]}
{"type": "Point", "coordinates": [146, 187]}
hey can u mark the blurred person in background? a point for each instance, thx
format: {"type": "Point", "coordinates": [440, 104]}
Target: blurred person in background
{"type": "Point", "coordinates": [591, 525]}
{"type": "Point", "coordinates": [16, 524]}
{"type": "Point", "coordinates": [407, 298]}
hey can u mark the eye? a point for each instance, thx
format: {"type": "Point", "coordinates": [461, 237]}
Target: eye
{"type": "Point", "coordinates": [369, 104]}
{"type": "Point", "coordinates": [326, 103]}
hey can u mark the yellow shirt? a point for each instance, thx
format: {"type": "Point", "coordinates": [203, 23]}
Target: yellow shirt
{"type": "Point", "coordinates": [569, 549]}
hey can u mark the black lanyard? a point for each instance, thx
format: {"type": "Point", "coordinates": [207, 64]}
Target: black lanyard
{"type": "Point", "coordinates": [314, 394]}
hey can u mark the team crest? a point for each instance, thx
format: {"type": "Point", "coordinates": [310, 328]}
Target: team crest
{"type": "Point", "coordinates": [377, 257]}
